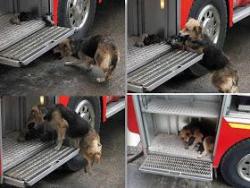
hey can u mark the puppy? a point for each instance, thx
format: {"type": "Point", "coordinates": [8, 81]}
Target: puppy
{"type": "Point", "coordinates": [208, 145]}
{"type": "Point", "coordinates": [33, 125]}
{"type": "Point", "coordinates": [32, 15]}
{"type": "Point", "coordinates": [91, 149]}
{"type": "Point", "coordinates": [97, 50]}
{"type": "Point", "coordinates": [60, 125]}
{"type": "Point", "coordinates": [146, 40]}
{"type": "Point", "coordinates": [224, 76]}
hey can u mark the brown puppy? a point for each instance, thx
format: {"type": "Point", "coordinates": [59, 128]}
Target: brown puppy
{"type": "Point", "coordinates": [226, 80]}
{"type": "Point", "coordinates": [60, 125]}
{"type": "Point", "coordinates": [208, 145]}
{"type": "Point", "coordinates": [97, 50]}
{"type": "Point", "coordinates": [91, 149]}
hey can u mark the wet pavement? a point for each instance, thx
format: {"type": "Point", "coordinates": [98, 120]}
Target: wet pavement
{"type": "Point", "coordinates": [49, 76]}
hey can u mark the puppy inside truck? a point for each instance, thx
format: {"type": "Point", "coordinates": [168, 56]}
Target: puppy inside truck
{"type": "Point", "coordinates": [199, 25]}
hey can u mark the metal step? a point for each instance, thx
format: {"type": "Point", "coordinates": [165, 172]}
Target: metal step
{"type": "Point", "coordinates": [240, 13]}
{"type": "Point", "coordinates": [163, 68]}
{"type": "Point", "coordinates": [183, 107]}
{"type": "Point", "coordinates": [115, 107]}
{"type": "Point", "coordinates": [137, 57]}
{"type": "Point", "coordinates": [37, 167]}
{"type": "Point", "coordinates": [33, 46]}
{"type": "Point", "coordinates": [177, 167]}
{"type": "Point", "coordinates": [15, 152]}
{"type": "Point", "coordinates": [11, 34]}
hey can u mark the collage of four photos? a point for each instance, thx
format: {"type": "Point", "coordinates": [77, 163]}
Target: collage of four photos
{"type": "Point", "coordinates": [124, 93]}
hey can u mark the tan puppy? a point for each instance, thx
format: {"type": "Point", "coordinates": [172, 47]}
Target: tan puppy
{"type": "Point", "coordinates": [60, 125]}
{"type": "Point", "coordinates": [208, 145]}
{"type": "Point", "coordinates": [91, 149]}
{"type": "Point", "coordinates": [226, 80]}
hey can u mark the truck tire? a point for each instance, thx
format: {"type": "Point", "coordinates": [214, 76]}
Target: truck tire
{"type": "Point", "coordinates": [68, 15]}
{"type": "Point", "coordinates": [87, 107]}
{"type": "Point", "coordinates": [234, 165]}
{"type": "Point", "coordinates": [210, 12]}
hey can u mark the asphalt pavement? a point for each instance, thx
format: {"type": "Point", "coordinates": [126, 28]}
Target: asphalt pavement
{"type": "Point", "coordinates": [49, 76]}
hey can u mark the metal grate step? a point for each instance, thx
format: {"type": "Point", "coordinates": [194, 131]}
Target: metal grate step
{"type": "Point", "coordinates": [183, 107]}
{"type": "Point", "coordinates": [15, 152]}
{"type": "Point", "coordinates": [160, 70]}
{"type": "Point", "coordinates": [11, 34]}
{"type": "Point", "coordinates": [177, 167]}
{"type": "Point", "coordinates": [34, 169]}
{"type": "Point", "coordinates": [140, 56]}
{"type": "Point", "coordinates": [33, 46]}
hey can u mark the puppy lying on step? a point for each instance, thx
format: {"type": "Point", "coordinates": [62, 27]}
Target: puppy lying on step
{"type": "Point", "coordinates": [191, 38]}
{"type": "Point", "coordinates": [97, 50]}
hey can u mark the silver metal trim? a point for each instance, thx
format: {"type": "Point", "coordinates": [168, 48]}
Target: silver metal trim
{"type": "Point", "coordinates": [134, 88]}
{"type": "Point", "coordinates": [240, 13]}
{"type": "Point", "coordinates": [115, 108]}
{"type": "Point", "coordinates": [13, 182]}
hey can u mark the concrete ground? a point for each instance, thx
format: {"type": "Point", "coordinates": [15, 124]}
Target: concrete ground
{"type": "Point", "coordinates": [236, 47]}
{"type": "Point", "coordinates": [137, 179]}
{"type": "Point", "coordinates": [49, 76]}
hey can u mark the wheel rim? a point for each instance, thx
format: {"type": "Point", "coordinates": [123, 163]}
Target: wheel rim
{"type": "Point", "coordinates": [209, 18]}
{"type": "Point", "coordinates": [244, 168]}
{"type": "Point", "coordinates": [78, 12]}
{"type": "Point", "coordinates": [86, 110]}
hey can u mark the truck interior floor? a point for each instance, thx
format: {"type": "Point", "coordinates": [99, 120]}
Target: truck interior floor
{"type": "Point", "coordinates": [172, 145]}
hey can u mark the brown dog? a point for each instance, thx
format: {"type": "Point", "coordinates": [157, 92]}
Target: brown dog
{"type": "Point", "coordinates": [98, 50]}
{"type": "Point", "coordinates": [91, 149]}
{"type": "Point", "coordinates": [224, 76]}
{"type": "Point", "coordinates": [60, 125]}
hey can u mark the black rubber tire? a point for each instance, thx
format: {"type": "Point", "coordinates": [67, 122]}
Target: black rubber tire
{"type": "Point", "coordinates": [229, 163]}
{"type": "Point", "coordinates": [78, 162]}
{"type": "Point", "coordinates": [198, 70]}
{"type": "Point", "coordinates": [95, 101]}
{"type": "Point", "coordinates": [63, 19]}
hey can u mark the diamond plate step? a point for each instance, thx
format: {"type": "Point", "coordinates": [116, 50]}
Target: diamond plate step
{"type": "Point", "coordinates": [177, 167]}
{"type": "Point", "coordinates": [15, 152]}
{"type": "Point", "coordinates": [156, 72]}
{"type": "Point", "coordinates": [37, 167]}
{"type": "Point", "coordinates": [183, 107]}
{"type": "Point", "coordinates": [33, 46]}
{"type": "Point", "coordinates": [140, 56]}
{"type": "Point", "coordinates": [11, 34]}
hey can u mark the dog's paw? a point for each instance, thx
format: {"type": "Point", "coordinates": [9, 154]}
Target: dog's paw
{"type": "Point", "coordinates": [58, 147]}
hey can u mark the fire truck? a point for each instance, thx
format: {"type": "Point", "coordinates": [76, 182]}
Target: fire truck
{"type": "Point", "coordinates": [25, 163]}
{"type": "Point", "coordinates": [151, 66]}
{"type": "Point", "coordinates": [158, 119]}
{"type": "Point", "coordinates": [22, 44]}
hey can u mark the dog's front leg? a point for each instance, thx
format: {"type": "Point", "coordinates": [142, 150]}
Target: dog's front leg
{"type": "Point", "coordinates": [60, 137]}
